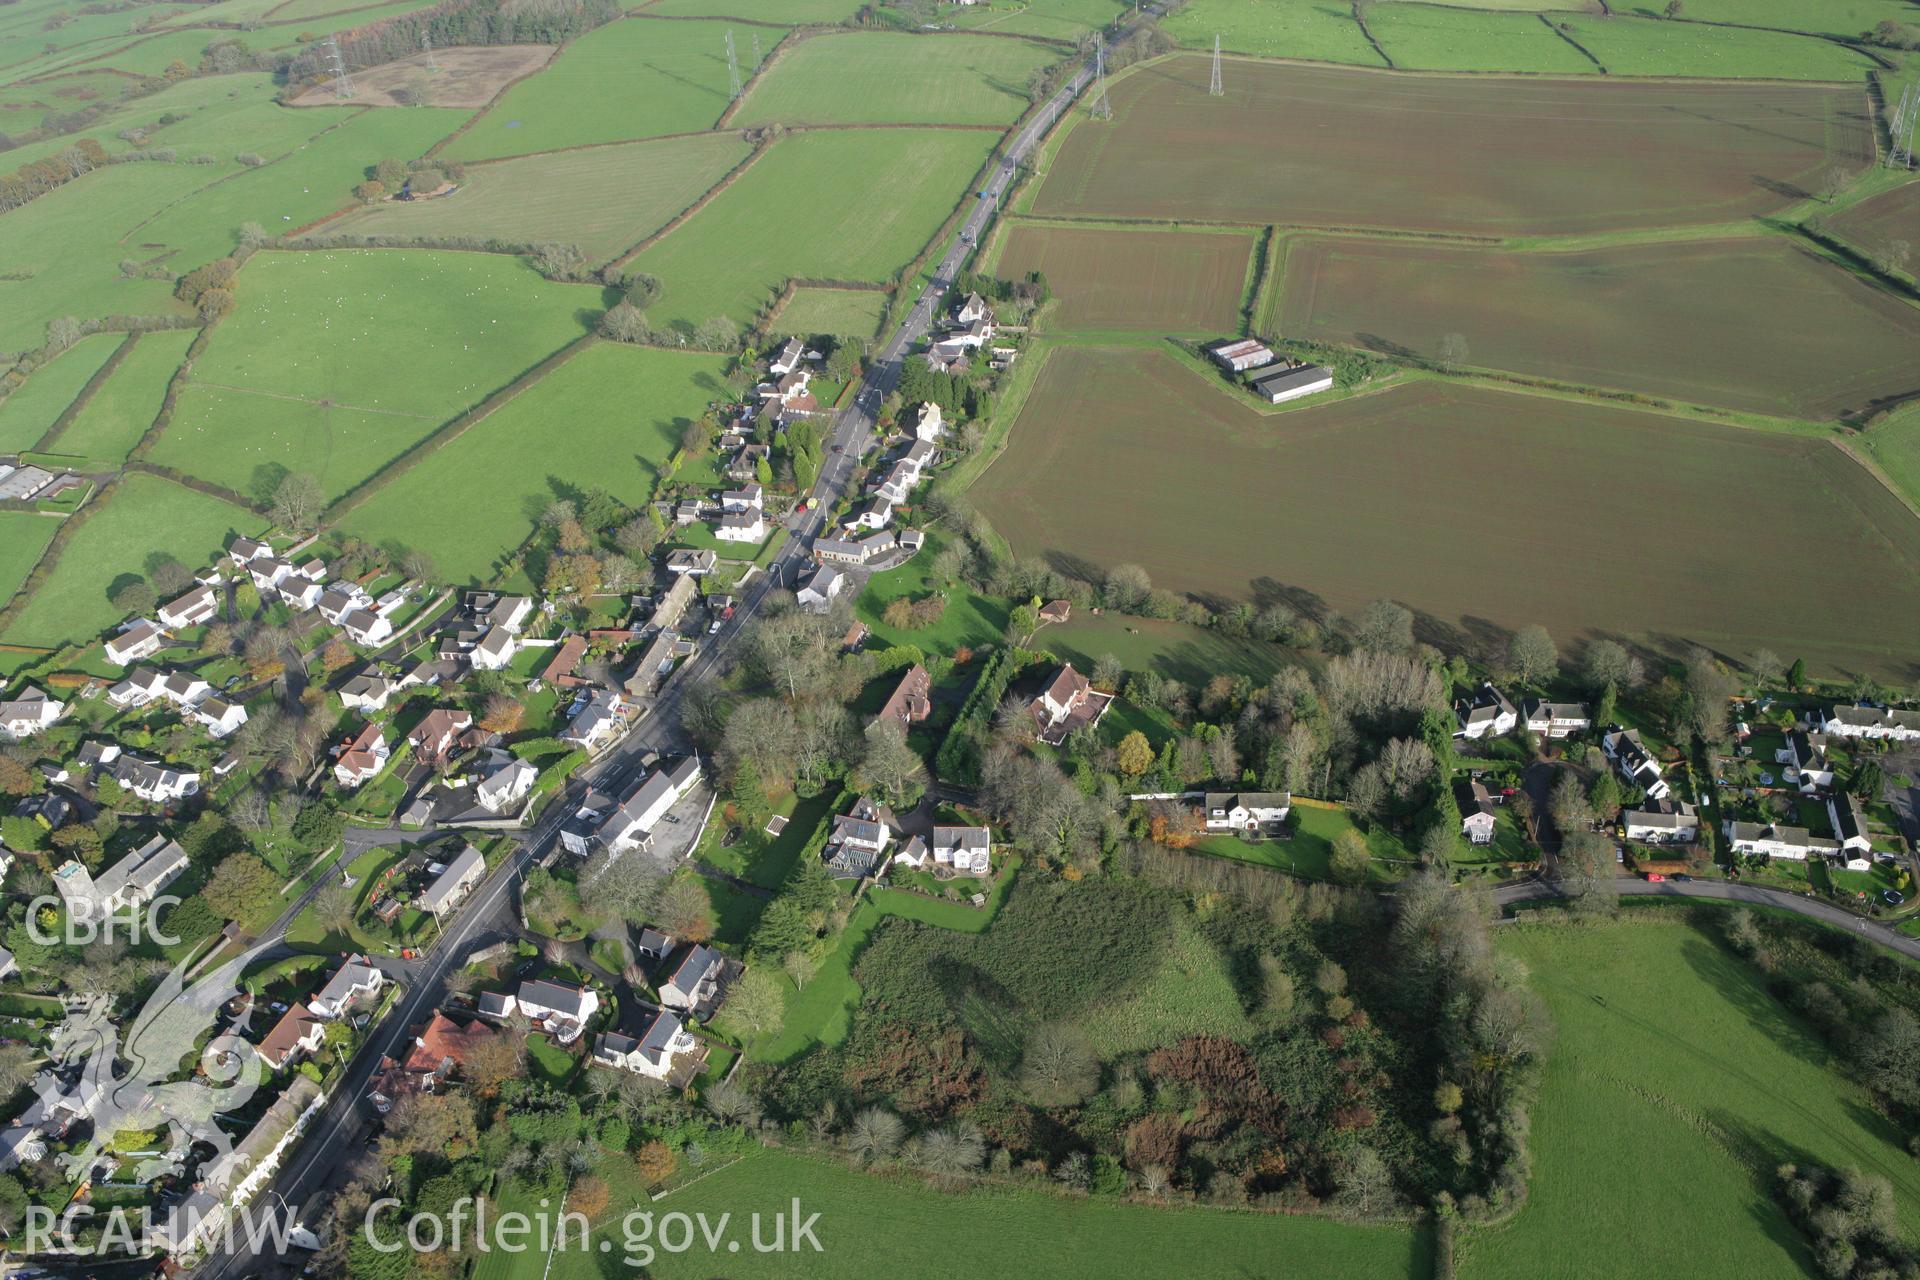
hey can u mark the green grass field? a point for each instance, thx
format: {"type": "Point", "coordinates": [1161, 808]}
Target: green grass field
{"type": "Point", "coordinates": [970, 619]}
{"type": "Point", "coordinates": [630, 79]}
{"type": "Point", "coordinates": [141, 516]}
{"type": "Point", "coordinates": [1894, 444]}
{"type": "Point", "coordinates": [604, 199]}
{"type": "Point", "coordinates": [1429, 37]}
{"type": "Point", "coordinates": [857, 205]}
{"type": "Point", "coordinates": [609, 417]}
{"type": "Point", "coordinates": [825, 11]}
{"type": "Point", "coordinates": [1322, 30]}
{"type": "Point", "coordinates": [1672, 1068]}
{"type": "Point", "coordinates": [1177, 650]}
{"type": "Point", "coordinates": [1672, 320]}
{"type": "Point", "coordinates": [875, 1226]}
{"type": "Point", "coordinates": [1048, 19]}
{"type": "Point", "coordinates": [1639, 47]}
{"type": "Point", "coordinates": [32, 407]}
{"type": "Point", "coordinates": [23, 536]}
{"type": "Point", "coordinates": [1826, 17]}
{"type": "Point", "coordinates": [126, 404]}
{"type": "Point", "coordinates": [895, 78]}
{"type": "Point", "coordinates": [1363, 498]}
{"type": "Point", "coordinates": [850, 313]}
{"type": "Point", "coordinates": [1152, 281]}
{"type": "Point", "coordinates": [25, 106]}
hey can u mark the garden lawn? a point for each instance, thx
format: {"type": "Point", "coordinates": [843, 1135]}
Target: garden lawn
{"type": "Point", "coordinates": [633, 78]}
{"type": "Point", "coordinates": [895, 77]}
{"type": "Point", "coordinates": [33, 406]}
{"type": "Point", "coordinates": [140, 516]}
{"type": "Point", "coordinates": [1428, 37]}
{"type": "Point", "coordinates": [970, 619]}
{"type": "Point", "coordinates": [1670, 1055]}
{"type": "Point", "coordinates": [23, 536]}
{"type": "Point", "coordinates": [1177, 650]}
{"type": "Point", "coordinates": [1639, 47]}
{"type": "Point", "coordinates": [1307, 852]}
{"type": "Point", "coordinates": [873, 1227]}
{"type": "Point", "coordinates": [605, 199]}
{"type": "Point", "coordinates": [1322, 30]}
{"type": "Point", "coordinates": [609, 417]}
{"type": "Point", "coordinates": [856, 205]}
{"type": "Point", "coordinates": [125, 405]}
{"type": "Point", "coordinates": [841, 313]}
{"type": "Point", "coordinates": [548, 1062]}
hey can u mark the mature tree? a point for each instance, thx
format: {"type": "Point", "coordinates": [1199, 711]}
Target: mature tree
{"type": "Point", "coordinates": [755, 1005]}
{"type": "Point", "coordinates": [15, 778]}
{"type": "Point", "coordinates": [297, 501]}
{"type": "Point", "coordinates": [168, 574]}
{"type": "Point", "coordinates": [875, 1135]}
{"type": "Point", "coordinates": [17, 1063]}
{"type": "Point", "coordinates": [133, 597]}
{"type": "Point", "coordinates": [493, 1061]}
{"type": "Point", "coordinates": [793, 651]}
{"type": "Point", "coordinates": [1766, 667]}
{"type": "Point", "coordinates": [436, 1124]}
{"type": "Point", "coordinates": [638, 538]}
{"type": "Point", "coordinates": [1588, 873]}
{"type": "Point", "coordinates": [952, 1150]}
{"type": "Point", "coordinates": [1607, 663]}
{"type": "Point", "coordinates": [1532, 655]}
{"type": "Point", "coordinates": [1384, 627]}
{"type": "Point", "coordinates": [763, 732]}
{"type": "Point", "coordinates": [620, 886]}
{"type": "Point", "coordinates": [889, 764]}
{"type": "Point", "coordinates": [1890, 256]}
{"type": "Point", "coordinates": [1059, 1067]}
{"type": "Point", "coordinates": [1710, 688]}
{"type": "Point", "coordinates": [655, 1162]}
{"type": "Point", "coordinates": [1453, 352]}
{"type": "Point", "coordinates": [1831, 182]}
{"type": "Point", "coordinates": [1127, 587]}
{"type": "Point", "coordinates": [685, 909]}
{"type": "Point", "coordinates": [1108, 673]}
{"type": "Point", "coordinates": [502, 713]}
{"type": "Point", "coordinates": [1350, 861]}
{"type": "Point", "coordinates": [240, 886]}
{"type": "Point", "coordinates": [1276, 989]}
{"type": "Point", "coordinates": [1135, 754]}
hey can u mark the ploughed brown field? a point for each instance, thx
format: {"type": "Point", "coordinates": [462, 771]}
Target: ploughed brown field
{"type": "Point", "coordinates": [458, 76]}
{"type": "Point", "coordinates": [1891, 215]}
{"type": "Point", "coordinates": [1149, 281]}
{"type": "Point", "coordinates": [1323, 146]}
{"type": "Point", "coordinates": [1661, 320]}
{"type": "Point", "coordinates": [1483, 510]}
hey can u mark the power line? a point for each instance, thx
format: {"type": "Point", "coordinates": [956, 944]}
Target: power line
{"type": "Point", "coordinates": [1899, 152]}
{"type": "Point", "coordinates": [1102, 109]}
{"type": "Point", "coordinates": [1216, 89]}
{"type": "Point", "coordinates": [426, 43]}
{"type": "Point", "coordinates": [733, 67]}
{"type": "Point", "coordinates": [756, 49]}
{"type": "Point", "coordinates": [342, 82]}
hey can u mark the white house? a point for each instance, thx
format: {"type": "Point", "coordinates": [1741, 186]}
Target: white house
{"type": "Point", "coordinates": [746, 498]}
{"type": "Point", "coordinates": [128, 885]}
{"type": "Point", "coordinates": [1871, 722]}
{"type": "Point", "coordinates": [153, 780]}
{"type": "Point", "coordinates": [190, 610]}
{"type": "Point", "coordinates": [968, 850]}
{"type": "Point", "coordinates": [366, 692]}
{"type": "Point", "coordinates": [1677, 823]}
{"type": "Point", "coordinates": [1248, 812]}
{"type": "Point", "coordinates": [1556, 719]}
{"type": "Point", "coordinates": [510, 612]}
{"type": "Point", "coordinates": [362, 759]}
{"type": "Point", "coordinates": [1066, 703]}
{"type": "Point", "coordinates": [1634, 762]}
{"type": "Point", "coordinates": [244, 551]}
{"type": "Point", "coordinates": [453, 882]}
{"type": "Point", "coordinates": [596, 720]}
{"type": "Point", "coordinates": [633, 820]}
{"type": "Point", "coordinates": [367, 627]}
{"type": "Point", "coordinates": [494, 651]}
{"type": "Point", "coordinates": [1805, 756]}
{"type": "Point", "coordinates": [694, 563]}
{"type": "Point", "coordinates": [506, 786]}
{"type": "Point", "coordinates": [788, 358]}
{"type": "Point", "coordinates": [969, 309]}
{"type": "Point", "coordinates": [1476, 805]}
{"type": "Point", "coordinates": [356, 979]}
{"type": "Point", "coordinates": [876, 514]}
{"type": "Point", "coordinates": [1485, 713]}
{"type": "Point", "coordinates": [560, 1009]}
{"type": "Point", "coordinates": [138, 639]}
{"type": "Point", "coordinates": [219, 717]}
{"type": "Point", "coordinates": [664, 1042]}
{"type": "Point", "coordinates": [28, 714]}
{"type": "Point", "coordinates": [295, 1036]}
{"type": "Point", "coordinates": [341, 599]}
{"type": "Point", "coordinates": [1776, 841]}
{"type": "Point", "coordinates": [1849, 823]}
{"type": "Point", "coordinates": [695, 982]}
{"type": "Point", "coordinates": [741, 526]}
{"type": "Point", "coordinates": [928, 424]}
{"type": "Point", "coordinates": [821, 589]}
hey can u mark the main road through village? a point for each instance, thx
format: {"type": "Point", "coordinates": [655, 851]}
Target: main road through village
{"type": "Point", "coordinates": [338, 1133]}
{"type": "Point", "coordinates": [321, 1160]}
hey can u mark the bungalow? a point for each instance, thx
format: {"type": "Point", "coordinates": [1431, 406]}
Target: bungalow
{"type": "Point", "coordinates": [1556, 719]}
{"type": "Point", "coordinates": [746, 463]}
{"type": "Point", "coordinates": [857, 844]}
{"type": "Point", "coordinates": [663, 1043]}
{"type": "Point", "coordinates": [137, 639]}
{"type": "Point", "coordinates": [1248, 812]}
{"type": "Point", "coordinates": [367, 627]}
{"type": "Point", "coordinates": [1631, 757]}
{"type": "Point", "coordinates": [1673, 822]}
{"type": "Point", "coordinates": [1870, 722]}
{"type": "Point", "coordinates": [297, 1034]}
{"type": "Point", "coordinates": [154, 781]}
{"type": "Point", "coordinates": [821, 589]}
{"type": "Point", "coordinates": [596, 719]}
{"type": "Point", "coordinates": [689, 561]}
{"type": "Point", "coordinates": [560, 1009]}
{"type": "Point", "coordinates": [1485, 713]}
{"type": "Point", "coordinates": [927, 423]}
{"type": "Point", "coordinates": [694, 985]}
{"type": "Point", "coordinates": [440, 1047]}
{"type": "Point", "coordinates": [1067, 702]}
{"type": "Point", "coordinates": [243, 551]}
{"type": "Point", "coordinates": [190, 610]}
{"type": "Point", "coordinates": [453, 881]}
{"type": "Point", "coordinates": [363, 757]}
{"type": "Point", "coordinates": [341, 599]}
{"type": "Point", "coordinates": [741, 526]}
{"type": "Point", "coordinates": [1805, 756]}
{"type": "Point", "coordinates": [494, 651]}
{"type": "Point", "coordinates": [1476, 805]}
{"type": "Point", "coordinates": [1240, 355]}
{"type": "Point", "coordinates": [910, 702]}
{"type": "Point", "coordinates": [129, 884]}
{"type": "Point", "coordinates": [947, 357]}
{"type": "Point", "coordinates": [840, 550]}
{"type": "Point", "coordinates": [1277, 386]}
{"type": "Point", "coordinates": [687, 511]}
{"type": "Point", "coordinates": [28, 714]}
{"type": "Point", "coordinates": [788, 358]}
{"type": "Point", "coordinates": [1849, 823]}
{"type": "Point", "coordinates": [1776, 841]}
{"type": "Point", "coordinates": [366, 692]}
{"type": "Point", "coordinates": [434, 736]}
{"type": "Point", "coordinates": [1056, 611]}
{"type": "Point", "coordinates": [876, 514]}
{"type": "Point", "coordinates": [218, 716]}
{"type": "Point", "coordinates": [506, 786]}
{"type": "Point", "coordinates": [355, 980]}
{"type": "Point", "coordinates": [968, 850]}
{"type": "Point", "coordinates": [510, 612]}
{"type": "Point", "coordinates": [300, 591]}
